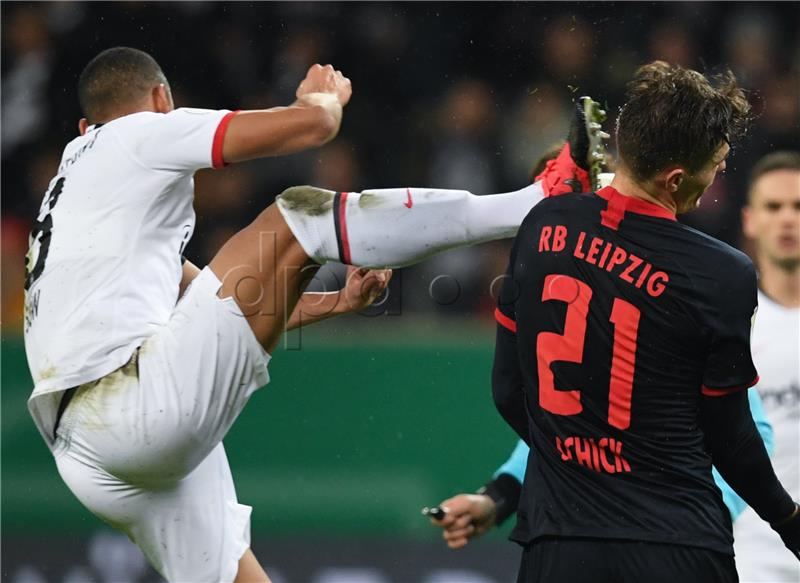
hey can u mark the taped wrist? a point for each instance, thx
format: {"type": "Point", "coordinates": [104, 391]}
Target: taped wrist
{"type": "Point", "coordinates": [505, 491]}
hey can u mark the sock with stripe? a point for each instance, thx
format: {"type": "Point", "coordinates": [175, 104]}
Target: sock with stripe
{"type": "Point", "coordinates": [395, 227]}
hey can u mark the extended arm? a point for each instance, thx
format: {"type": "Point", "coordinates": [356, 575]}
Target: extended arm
{"type": "Point", "coordinates": [363, 286]}
{"type": "Point", "coordinates": [309, 122]}
{"type": "Point", "coordinates": [471, 515]}
{"type": "Point", "coordinates": [732, 500]}
{"type": "Point", "coordinates": [739, 454]}
{"type": "Point", "coordinates": [505, 486]}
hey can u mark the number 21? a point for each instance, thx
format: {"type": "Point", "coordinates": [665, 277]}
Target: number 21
{"type": "Point", "coordinates": [568, 347]}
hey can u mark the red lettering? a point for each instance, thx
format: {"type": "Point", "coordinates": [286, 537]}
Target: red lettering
{"type": "Point", "coordinates": [607, 466]}
{"type": "Point", "coordinates": [620, 462]}
{"type": "Point", "coordinates": [569, 444]}
{"type": "Point", "coordinates": [595, 456]}
{"type": "Point", "coordinates": [617, 258]}
{"type": "Point", "coordinates": [645, 271]}
{"type": "Point", "coordinates": [560, 238]}
{"type": "Point", "coordinates": [566, 455]}
{"type": "Point", "coordinates": [578, 252]}
{"type": "Point", "coordinates": [602, 455]}
{"type": "Point", "coordinates": [654, 287]}
{"type": "Point", "coordinates": [583, 453]}
{"type": "Point", "coordinates": [544, 238]}
{"type": "Point", "coordinates": [591, 256]}
{"type": "Point", "coordinates": [603, 257]}
{"type": "Point", "coordinates": [626, 274]}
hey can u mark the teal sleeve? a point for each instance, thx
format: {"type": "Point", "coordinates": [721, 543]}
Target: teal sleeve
{"type": "Point", "coordinates": [516, 464]}
{"type": "Point", "coordinates": [732, 500]}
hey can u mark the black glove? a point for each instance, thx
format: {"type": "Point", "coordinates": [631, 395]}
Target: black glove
{"type": "Point", "coordinates": [789, 531]}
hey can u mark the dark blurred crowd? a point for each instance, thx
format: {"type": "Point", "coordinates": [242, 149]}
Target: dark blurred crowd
{"type": "Point", "coordinates": [456, 95]}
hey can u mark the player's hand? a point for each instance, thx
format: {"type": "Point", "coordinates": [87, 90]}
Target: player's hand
{"type": "Point", "coordinates": [467, 516]}
{"type": "Point", "coordinates": [789, 531]}
{"type": "Point", "coordinates": [364, 286]}
{"type": "Point", "coordinates": [325, 79]}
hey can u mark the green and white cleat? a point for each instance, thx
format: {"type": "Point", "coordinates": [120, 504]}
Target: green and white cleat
{"type": "Point", "coordinates": [590, 140]}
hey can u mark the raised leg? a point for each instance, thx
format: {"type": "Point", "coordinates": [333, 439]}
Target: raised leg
{"type": "Point", "coordinates": [265, 270]}
{"type": "Point", "coordinates": [249, 570]}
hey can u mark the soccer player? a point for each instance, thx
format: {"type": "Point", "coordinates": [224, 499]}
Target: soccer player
{"type": "Point", "coordinates": [623, 355]}
{"type": "Point", "coordinates": [772, 220]}
{"type": "Point", "coordinates": [135, 384]}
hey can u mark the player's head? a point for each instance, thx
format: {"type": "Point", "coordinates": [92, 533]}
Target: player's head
{"type": "Point", "coordinates": [120, 81]}
{"type": "Point", "coordinates": [676, 128]}
{"type": "Point", "coordinates": [772, 215]}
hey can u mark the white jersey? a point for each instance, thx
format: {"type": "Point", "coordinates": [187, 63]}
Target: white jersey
{"type": "Point", "coordinates": [760, 555]}
{"type": "Point", "coordinates": [103, 268]}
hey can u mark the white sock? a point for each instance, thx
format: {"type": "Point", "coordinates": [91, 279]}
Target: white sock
{"type": "Point", "coordinates": [395, 227]}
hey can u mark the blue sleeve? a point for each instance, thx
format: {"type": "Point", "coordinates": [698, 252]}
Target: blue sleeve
{"type": "Point", "coordinates": [516, 464]}
{"type": "Point", "coordinates": [732, 500]}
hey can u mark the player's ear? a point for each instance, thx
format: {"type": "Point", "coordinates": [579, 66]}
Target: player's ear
{"type": "Point", "coordinates": [83, 125]}
{"type": "Point", "coordinates": [673, 179]}
{"type": "Point", "coordinates": [162, 99]}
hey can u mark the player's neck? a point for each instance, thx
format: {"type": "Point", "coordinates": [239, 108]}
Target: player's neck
{"type": "Point", "coordinates": [780, 284]}
{"type": "Point", "coordinates": [144, 104]}
{"type": "Point", "coordinates": [626, 185]}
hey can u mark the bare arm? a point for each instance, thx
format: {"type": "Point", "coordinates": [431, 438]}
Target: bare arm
{"type": "Point", "coordinates": [362, 288]}
{"type": "Point", "coordinates": [309, 122]}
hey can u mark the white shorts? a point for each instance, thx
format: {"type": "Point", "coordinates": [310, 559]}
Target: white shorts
{"type": "Point", "coordinates": [142, 447]}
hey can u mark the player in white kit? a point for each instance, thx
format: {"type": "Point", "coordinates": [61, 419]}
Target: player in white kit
{"type": "Point", "coordinates": [135, 384]}
{"type": "Point", "coordinates": [772, 219]}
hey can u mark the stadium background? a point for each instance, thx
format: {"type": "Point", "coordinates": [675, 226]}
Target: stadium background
{"type": "Point", "coordinates": [367, 418]}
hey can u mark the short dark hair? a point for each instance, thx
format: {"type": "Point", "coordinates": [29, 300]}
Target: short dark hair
{"type": "Point", "coordinates": [782, 160]}
{"type": "Point", "coordinates": [678, 116]}
{"type": "Point", "coordinates": [114, 77]}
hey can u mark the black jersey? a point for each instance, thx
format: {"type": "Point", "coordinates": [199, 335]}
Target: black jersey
{"type": "Point", "coordinates": [623, 319]}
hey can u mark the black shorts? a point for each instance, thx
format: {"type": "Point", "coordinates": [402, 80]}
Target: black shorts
{"type": "Point", "coordinates": [587, 560]}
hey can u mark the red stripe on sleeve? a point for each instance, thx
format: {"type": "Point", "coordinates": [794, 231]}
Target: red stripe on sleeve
{"type": "Point", "coordinates": [709, 392]}
{"type": "Point", "coordinates": [505, 321]}
{"type": "Point", "coordinates": [219, 138]}
{"type": "Point", "coordinates": [343, 223]}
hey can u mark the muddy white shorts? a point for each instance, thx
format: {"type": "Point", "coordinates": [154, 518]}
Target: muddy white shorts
{"type": "Point", "coordinates": [142, 447]}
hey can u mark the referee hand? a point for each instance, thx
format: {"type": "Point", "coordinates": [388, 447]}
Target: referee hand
{"type": "Point", "coordinates": [467, 516]}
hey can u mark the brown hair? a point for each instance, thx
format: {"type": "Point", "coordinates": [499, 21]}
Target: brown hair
{"type": "Point", "coordinates": [784, 160]}
{"type": "Point", "coordinates": [678, 116]}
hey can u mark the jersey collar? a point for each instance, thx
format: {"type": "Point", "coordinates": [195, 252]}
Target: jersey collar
{"type": "Point", "coordinates": [634, 205]}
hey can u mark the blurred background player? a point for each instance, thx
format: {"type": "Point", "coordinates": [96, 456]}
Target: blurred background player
{"type": "Point", "coordinates": [619, 485]}
{"type": "Point", "coordinates": [771, 220]}
{"type": "Point", "coordinates": [134, 403]}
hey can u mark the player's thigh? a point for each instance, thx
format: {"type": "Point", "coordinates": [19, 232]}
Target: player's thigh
{"type": "Point", "coordinates": [250, 570]}
{"type": "Point", "coordinates": [566, 560]}
{"type": "Point", "coordinates": [264, 269]}
{"type": "Point", "coordinates": [156, 418]}
{"type": "Point", "coordinates": [634, 562]}
{"type": "Point", "coordinates": [194, 530]}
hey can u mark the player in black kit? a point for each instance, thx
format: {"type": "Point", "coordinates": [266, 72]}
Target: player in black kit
{"type": "Point", "coordinates": [623, 352]}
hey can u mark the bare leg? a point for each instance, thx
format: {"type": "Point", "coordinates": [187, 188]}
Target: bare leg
{"type": "Point", "coordinates": [249, 570]}
{"type": "Point", "coordinates": [265, 270]}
